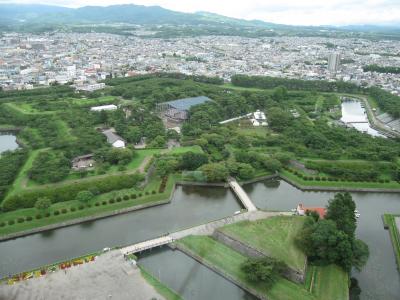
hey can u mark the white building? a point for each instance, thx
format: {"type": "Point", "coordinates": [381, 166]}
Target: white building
{"type": "Point", "coordinates": [115, 140]}
{"type": "Point", "coordinates": [259, 119]}
{"type": "Point", "coordinates": [104, 107]}
{"type": "Point", "coordinates": [333, 62]}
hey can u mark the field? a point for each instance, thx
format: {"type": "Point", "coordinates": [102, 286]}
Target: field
{"type": "Point", "coordinates": [273, 236]}
{"type": "Point", "coordinates": [229, 262]}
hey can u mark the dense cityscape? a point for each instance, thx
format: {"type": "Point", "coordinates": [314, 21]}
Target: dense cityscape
{"type": "Point", "coordinates": [28, 61]}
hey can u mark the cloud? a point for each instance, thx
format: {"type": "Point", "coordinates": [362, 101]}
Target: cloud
{"type": "Point", "coordinates": [295, 12]}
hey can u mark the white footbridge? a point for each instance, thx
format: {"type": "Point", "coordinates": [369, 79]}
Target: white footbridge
{"type": "Point", "coordinates": [242, 195]}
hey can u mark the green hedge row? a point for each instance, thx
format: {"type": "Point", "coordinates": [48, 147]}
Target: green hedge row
{"type": "Point", "coordinates": [28, 198]}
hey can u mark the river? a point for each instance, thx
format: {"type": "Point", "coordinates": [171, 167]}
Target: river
{"type": "Point", "coordinates": [194, 205]}
{"type": "Point", "coordinates": [7, 142]}
{"type": "Point", "coordinates": [354, 114]}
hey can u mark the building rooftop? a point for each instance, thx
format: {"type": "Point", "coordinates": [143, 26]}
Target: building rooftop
{"type": "Point", "coordinates": [187, 103]}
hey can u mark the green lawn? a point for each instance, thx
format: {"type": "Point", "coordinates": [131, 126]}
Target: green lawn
{"type": "Point", "coordinates": [274, 237]}
{"type": "Point", "coordinates": [390, 222]}
{"type": "Point", "coordinates": [161, 288]}
{"type": "Point", "coordinates": [153, 185]}
{"type": "Point", "coordinates": [180, 150]}
{"type": "Point", "coordinates": [229, 262]}
{"type": "Point", "coordinates": [340, 184]}
{"type": "Point", "coordinates": [328, 282]}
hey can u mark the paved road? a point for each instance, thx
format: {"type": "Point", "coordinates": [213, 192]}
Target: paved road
{"type": "Point", "coordinates": [109, 277]}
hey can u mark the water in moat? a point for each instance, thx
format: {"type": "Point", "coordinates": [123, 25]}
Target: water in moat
{"type": "Point", "coordinates": [7, 142]}
{"type": "Point", "coordinates": [194, 205]}
{"type": "Point", "coordinates": [188, 278]}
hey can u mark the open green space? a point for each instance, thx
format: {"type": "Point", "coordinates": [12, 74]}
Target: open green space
{"type": "Point", "coordinates": [229, 262]}
{"type": "Point", "coordinates": [274, 237]}
{"type": "Point", "coordinates": [390, 222]}
{"type": "Point", "coordinates": [161, 288]}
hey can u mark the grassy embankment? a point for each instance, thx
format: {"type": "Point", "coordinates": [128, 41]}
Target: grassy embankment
{"type": "Point", "coordinates": [229, 262]}
{"type": "Point", "coordinates": [161, 288]}
{"type": "Point", "coordinates": [339, 184]}
{"type": "Point", "coordinates": [273, 236]}
{"type": "Point", "coordinates": [390, 222]}
{"type": "Point", "coordinates": [143, 197]}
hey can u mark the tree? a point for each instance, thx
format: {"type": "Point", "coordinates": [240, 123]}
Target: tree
{"type": "Point", "coordinates": [279, 93]}
{"type": "Point", "coordinates": [43, 203]}
{"type": "Point", "coordinates": [360, 254]}
{"type": "Point", "coordinates": [245, 171]}
{"type": "Point", "coordinates": [192, 161]}
{"type": "Point", "coordinates": [215, 172]}
{"type": "Point", "coordinates": [278, 119]}
{"type": "Point", "coordinates": [265, 270]}
{"type": "Point", "coordinates": [341, 210]}
{"type": "Point", "coordinates": [84, 196]}
{"type": "Point", "coordinates": [165, 166]}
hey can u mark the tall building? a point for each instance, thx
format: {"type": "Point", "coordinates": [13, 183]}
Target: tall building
{"type": "Point", "coordinates": [333, 62]}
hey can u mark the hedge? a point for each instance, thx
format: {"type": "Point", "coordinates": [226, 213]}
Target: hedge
{"type": "Point", "coordinates": [28, 198]}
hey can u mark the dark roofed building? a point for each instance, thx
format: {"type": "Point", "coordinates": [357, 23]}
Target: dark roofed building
{"type": "Point", "coordinates": [179, 109]}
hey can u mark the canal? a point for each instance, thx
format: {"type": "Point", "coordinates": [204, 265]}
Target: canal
{"type": "Point", "coordinates": [354, 114]}
{"type": "Point", "coordinates": [194, 205]}
{"type": "Point", "coordinates": [7, 142]}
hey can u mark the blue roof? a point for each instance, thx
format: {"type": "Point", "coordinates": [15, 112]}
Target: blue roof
{"type": "Point", "coordinates": [187, 103]}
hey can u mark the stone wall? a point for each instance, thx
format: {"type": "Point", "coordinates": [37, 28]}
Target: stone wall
{"type": "Point", "coordinates": [290, 274]}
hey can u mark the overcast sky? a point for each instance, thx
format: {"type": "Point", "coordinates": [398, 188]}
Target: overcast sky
{"type": "Point", "coordinates": [296, 12]}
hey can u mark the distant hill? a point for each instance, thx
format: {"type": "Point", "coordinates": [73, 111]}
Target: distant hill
{"type": "Point", "coordinates": [40, 18]}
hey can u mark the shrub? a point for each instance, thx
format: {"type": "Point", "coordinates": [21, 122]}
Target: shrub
{"type": "Point", "coordinates": [11, 222]}
{"type": "Point", "coordinates": [133, 196]}
{"type": "Point", "coordinates": [28, 198]}
{"type": "Point", "coordinates": [126, 197]}
{"type": "Point", "coordinates": [119, 199]}
{"type": "Point", "coordinates": [140, 195]}
{"type": "Point", "coordinates": [80, 207]}
{"type": "Point", "coordinates": [97, 204]}
{"type": "Point", "coordinates": [72, 209]}
{"type": "Point", "coordinates": [111, 201]}
{"type": "Point", "coordinates": [38, 217]}
{"type": "Point", "coordinates": [89, 205]}
{"type": "Point", "coordinates": [64, 211]}
{"type": "Point", "coordinates": [146, 193]}
{"type": "Point", "coordinates": [2, 224]}
{"type": "Point", "coordinates": [104, 203]}
{"type": "Point", "coordinates": [28, 218]}
{"type": "Point", "coordinates": [56, 213]}
{"type": "Point", "coordinates": [153, 192]}
{"type": "Point", "coordinates": [20, 220]}
{"type": "Point", "coordinates": [47, 215]}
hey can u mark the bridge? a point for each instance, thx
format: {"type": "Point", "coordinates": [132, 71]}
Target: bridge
{"type": "Point", "coordinates": [242, 195]}
{"type": "Point", "coordinates": [203, 229]}
{"type": "Point", "coordinates": [160, 241]}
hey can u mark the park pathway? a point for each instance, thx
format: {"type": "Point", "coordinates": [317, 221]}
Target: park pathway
{"type": "Point", "coordinates": [242, 195]}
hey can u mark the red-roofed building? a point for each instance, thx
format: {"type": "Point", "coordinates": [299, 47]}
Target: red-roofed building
{"type": "Point", "coordinates": [301, 210]}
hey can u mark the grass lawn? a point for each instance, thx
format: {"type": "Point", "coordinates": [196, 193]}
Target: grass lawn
{"type": "Point", "coordinates": [340, 184]}
{"type": "Point", "coordinates": [390, 222]}
{"type": "Point", "coordinates": [273, 236]}
{"type": "Point", "coordinates": [229, 262]}
{"type": "Point", "coordinates": [328, 282]}
{"type": "Point", "coordinates": [95, 101]}
{"type": "Point", "coordinates": [93, 210]}
{"type": "Point", "coordinates": [180, 150]}
{"type": "Point", "coordinates": [161, 288]}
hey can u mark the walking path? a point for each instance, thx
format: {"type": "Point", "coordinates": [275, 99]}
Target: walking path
{"type": "Point", "coordinates": [241, 194]}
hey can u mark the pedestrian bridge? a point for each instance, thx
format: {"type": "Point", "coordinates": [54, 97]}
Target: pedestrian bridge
{"type": "Point", "coordinates": [147, 245]}
{"type": "Point", "coordinates": [242, 195]}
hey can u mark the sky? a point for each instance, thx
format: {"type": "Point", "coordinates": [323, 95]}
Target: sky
{"type": "Point", "coordinates": [294, 12]}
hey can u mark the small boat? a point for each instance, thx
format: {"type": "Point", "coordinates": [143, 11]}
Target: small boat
{"type": "Point", "coordinates": [237, 212]}
{"type": "Point", "coordinates": [356, 211]}
{"type": "Point", "coordinates": [357, 215]}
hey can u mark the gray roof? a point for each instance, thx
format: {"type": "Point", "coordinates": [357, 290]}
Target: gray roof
{"type": "Point", "coordinates": [187, 103]}
{"type": "Point", "coordinates": [111, 136]}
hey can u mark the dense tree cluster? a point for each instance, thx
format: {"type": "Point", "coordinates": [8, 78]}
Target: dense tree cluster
{"type": "Point", "coordinates": [332, 240]}
{"type": "Point", "coordinates": [49, 167]}
{"type": "Point", "coordinates": [381, 69]}
{"type": "Point", "coordinates": [10, 164]}
{"type": "Point", "coordinates": [266, 270]}
{"type": "Point", "coordinates": [387, 102]}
